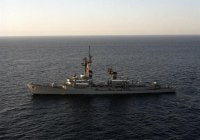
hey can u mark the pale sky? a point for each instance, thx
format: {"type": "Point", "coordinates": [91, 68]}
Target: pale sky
{"type": "Point", "coordinates": [99, 17]}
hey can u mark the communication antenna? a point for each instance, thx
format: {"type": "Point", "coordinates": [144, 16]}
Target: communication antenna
{"type": "Point", "coordinates": [89, 51]}
{"type": "Point", "coordinates": [90, 57]}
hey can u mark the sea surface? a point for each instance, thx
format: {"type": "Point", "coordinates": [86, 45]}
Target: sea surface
{"type": "Point", "coordinates": [167, 59]}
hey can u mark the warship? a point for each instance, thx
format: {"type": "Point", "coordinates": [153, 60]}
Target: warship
{"type": "Point", "coordinates": [85, 85]}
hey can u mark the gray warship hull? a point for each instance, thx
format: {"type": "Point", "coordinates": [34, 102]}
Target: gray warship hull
{"type": "Point", "coordinates": [37, 89]}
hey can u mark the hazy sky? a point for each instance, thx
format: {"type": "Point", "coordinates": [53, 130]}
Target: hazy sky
{"type": "Point", "coordinates": [99, 17]}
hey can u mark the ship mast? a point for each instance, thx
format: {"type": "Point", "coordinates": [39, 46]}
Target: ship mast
{"type": "Point", "coordinates": [87, 61]}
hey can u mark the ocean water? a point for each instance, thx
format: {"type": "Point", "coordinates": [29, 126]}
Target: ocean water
{"type": "Point", "coordinates": [168, 59]}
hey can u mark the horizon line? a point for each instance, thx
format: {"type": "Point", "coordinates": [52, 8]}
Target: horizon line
{"type": "Point", "coordinates": [99, 35]}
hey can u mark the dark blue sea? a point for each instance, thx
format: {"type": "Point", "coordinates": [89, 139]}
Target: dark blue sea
{"type": "Point", "coordinates": [167, 59]}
